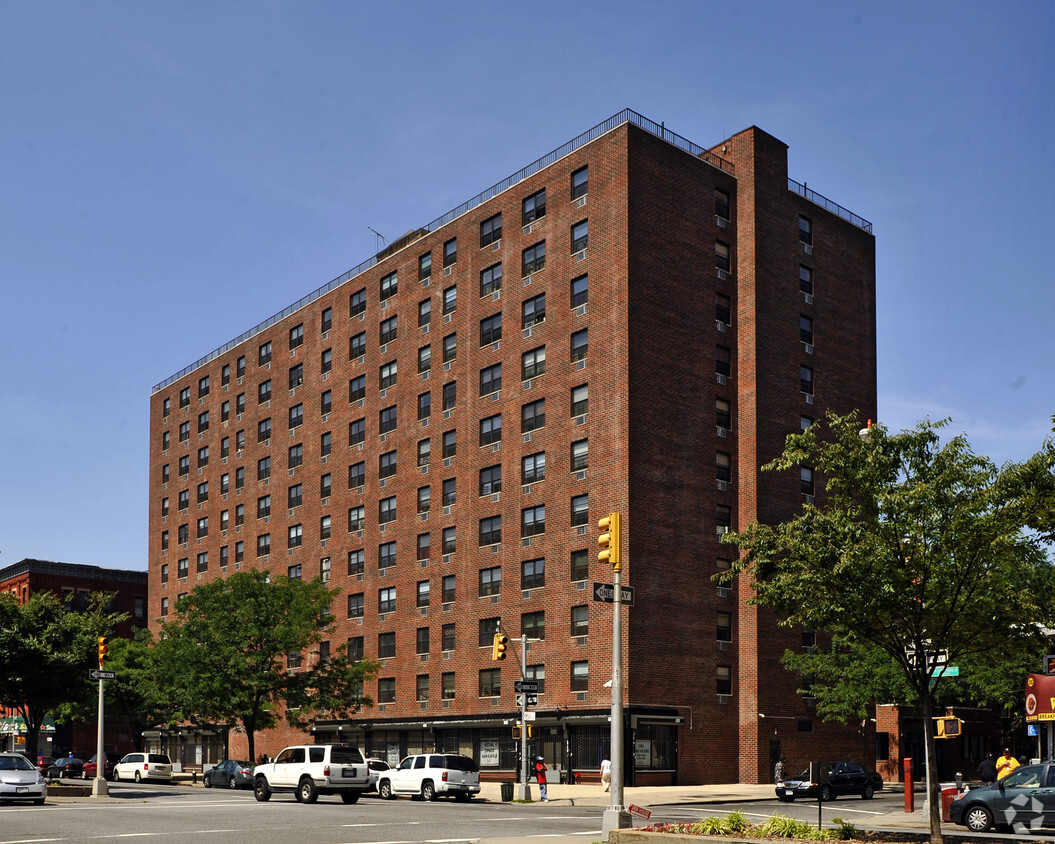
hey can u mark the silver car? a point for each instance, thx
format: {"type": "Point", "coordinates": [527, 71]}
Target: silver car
{"type": "Point", "coordinates": [20, 779]}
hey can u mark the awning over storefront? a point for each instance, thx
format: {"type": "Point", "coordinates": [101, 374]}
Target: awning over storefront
{"type": "Point", "coordinates": [16, 725]}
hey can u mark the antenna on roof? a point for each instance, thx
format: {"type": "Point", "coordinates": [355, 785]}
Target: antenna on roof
{"type": "Point", "coordinates": [379, 243]}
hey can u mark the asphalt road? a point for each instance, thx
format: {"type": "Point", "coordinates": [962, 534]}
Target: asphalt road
{"type": "Point", "coordinates": [852, 809]}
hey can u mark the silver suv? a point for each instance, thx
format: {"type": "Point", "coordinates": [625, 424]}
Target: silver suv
{"type": "Point", "coordinates": [430, 774]}
{"type": "Point", "coordinates": [312, 769]}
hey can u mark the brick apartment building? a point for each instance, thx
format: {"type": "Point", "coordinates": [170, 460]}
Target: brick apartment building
{"type": "Point", "coordinates": [632, 323]}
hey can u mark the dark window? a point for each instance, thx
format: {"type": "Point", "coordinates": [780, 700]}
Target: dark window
{"type": "Point", "coordinates": [387, 420]}
{"type": "Point", "coordinates": [533, 468]}
{"type": "Point", "coordinates": [580, 620]}
{"type": "Point", "coordinates": [533, 258]}
{"type": "Point", "coordinates": [806, 380]}
{"type": "Point", "coordinates": [386, 510]}
{"type": "Point", "coordinates": [491, 379]}
{"type": "Point", "coordinates": [491, 429]}
{"type": "Point", "coordinates": [491, 534]}
{"type": "Point", "coordinates": [721, 204]}
{"type": "Point", "coordinates": [389, 286]}
{"type": "Point", "coordinates": [327, 319]}
{"type": "Point", "coordinates": [721, 255]}
{"type": "Point", "coordinates": [805, 279]}
{"type": "Point", "coordinates": [580, 510]}
{"type": "Point", "coordinates": [263, 391]}
{"type": "Point", "coordinates": [580, 676]}
{"type": "Point", "coordinates": [450, 443]}
{"type": "Point", "coordinates": [357, 475]}
{"type": "Point", "coordinates": [295, 496]}
{"type": "Point", "coordinates": [490, 329]}
{"type": "Point", "coordinates": [724, 680]}
{"type": "Point", "coordinates": [450, 494]}
{"type": "Point", "coordinates": [356, 606]}
{"type": "Point", "coordinates": [580, 400]}
{"type": "Point", "coordinates": [806, 329]}
{"type": "Point", "coordinates": [356, 518]}
{"type": "Point", "coordinates": [533, 520]}
{"type": "Point", "coordinates": [448, 637]}
{"type": "Point", "coordinates": [580, 182]}
{"type": "Point", "coordinates": [579, 455]}
{"type": "Point", "coordinates": [580, 344]}
{"type": "Point", "coordinates": [533, 573]}
{"type": "Point", "coordinates": [388, 330]}
{"type": "Point", "coordinates": [424, 312]}
{"type": "Point", "coordinates": [723, 466]}
{"type": "Point", "coordinates": [450, 395]}
{"type": "Point", "coordinates": [450, 347]}
{"type": "Point", "coordinates": [533, 415]}
{"type": "Point", "coordinates": [491, 280]}
{"type": "Point", "coordinates": [449, 588]}
{"type": "Point", "coordinates": [723, 413]}
{"type": "Point", "coordinates": [387, 464]}
{"type": "Point", "coordinates": [263, 430]}
{"type": "Point", "coordinates": [424, 359]}
{"type": "Point", "coordinates": [424, 546]}
{"type": "Point", "coordinates": [450, 537]}
{"type": "Point", "coordinates": [533, 363]}
{"type": "Point", "coordinates": [356, 431]}
{"type": "Point", "coordinates": [450, 299]}
{"type": "Point", "coordinates": [356, 561]}
{"type": "Point", "coordinates": [580, 288]}
{"type": "Point", "coordinates": [491, 480]}
{"type": "Point", "coordinates": [357, 303]}
{"type": "Point", "coordinates": [296, 336]}
{"type": "Point", "coordinates": [296, 455]}
{"type": "Point", "coordinates": [424, 405]}
{"type": "Point", "coordinates": [386, 645]}
{"type": "Point", "coordinates": [806, 480]}
{"type": "Point", "coordinates": [424, 265]}
{"type": "Point", "coordinates": [357, 388]}
{"type": "Point", "coordinates": [263, 468]}
{"type": "Point", "coordinates": [534, 206]}
{"type": "Point", "coordinates": [450, 251]}
{"type": "Point", "coordinates": [387, 375]}
{"type": "Point", "coordinates": [263, 355]}
{"type": "Point", "coordinates": [724, 626]}
{"type": "Point", "coordinates": [806, 230]}
{"type": "Point", "coordinates": [326, 363]}
{"type": "Point", "coordinates": [721, 308]}
{"type": "Point", "coordinates": [491, 230]}
{"type": "Point", "coordinates": [357, 346]}
{"type": "Point", "coordinates": [580, 236]}
{"type": "Point", "coordinates": [534, 311]}
{"type": "Point", "coordinates": [722, 361]}
{"type": "Point", "coordinates": [386, 555]}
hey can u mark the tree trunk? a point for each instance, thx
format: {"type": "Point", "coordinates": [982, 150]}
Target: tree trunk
{"type": "Point", "coordinates": [934, 792]}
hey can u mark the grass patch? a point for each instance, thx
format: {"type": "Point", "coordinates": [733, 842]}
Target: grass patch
{"type": "Point", "coordinates": [778, 826]}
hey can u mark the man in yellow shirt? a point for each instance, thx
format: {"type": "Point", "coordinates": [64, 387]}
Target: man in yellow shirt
{"type": "Point", "coordinates": [1005, 764]}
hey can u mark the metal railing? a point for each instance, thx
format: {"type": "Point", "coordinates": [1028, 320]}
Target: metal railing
{"type": "Point", "coordinates": [828, 205]}
{"type": "Point", "coordinates": [624, 116]}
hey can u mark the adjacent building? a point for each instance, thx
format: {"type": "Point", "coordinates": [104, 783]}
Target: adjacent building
{"type": "Point", "coordinates": [633, 323]}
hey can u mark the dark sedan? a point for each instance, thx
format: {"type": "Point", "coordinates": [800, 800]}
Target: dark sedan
{"type": "Point", "coordinates": [1024, 800]}
{"type": "Point", "coordinates": [69, 767]}
{"type": "Point", "coordinates": [843, 778]}
{"type": "Point", "coordinates": [229, 774]}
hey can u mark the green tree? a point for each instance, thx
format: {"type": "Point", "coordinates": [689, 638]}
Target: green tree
{"type": "Point", "coordinates": [916, 547]}
{"type": "Point", "coordinates": [47, 650]}
{"type": "Point", "coordinates": [223, 658]}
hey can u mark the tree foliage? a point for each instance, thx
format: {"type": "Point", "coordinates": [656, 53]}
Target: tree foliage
{"type": "Point", "coordinates": [915, 547]}
{"type": "Point", "coordinates": [47, 650]}
{"type": "Point", "coordinates": [223, 658]}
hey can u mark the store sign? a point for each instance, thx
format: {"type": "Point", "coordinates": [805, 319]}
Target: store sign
{"type": "Point", "coordinates": [488, 754]}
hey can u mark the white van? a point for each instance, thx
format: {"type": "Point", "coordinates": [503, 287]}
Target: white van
{"type": "Point", "coordinates": [429, 775]}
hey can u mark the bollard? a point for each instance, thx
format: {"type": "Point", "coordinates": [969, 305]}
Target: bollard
{"type": "Point", "coordinates": [194, 777]}
{"type": "Point", "coordinates": [910, 803]}
{"type": "Point", "coordinates": [959, 782]}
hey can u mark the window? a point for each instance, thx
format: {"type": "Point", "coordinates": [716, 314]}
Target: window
{"type": "Point", "coordinates": [263, 468]}
{"type": "Point", "coordinates": [325, 444]}
{"type": "Point", "coordinates": [580, 400]}
{"type": "Point", "coordinates": [357, 303]}
{"type": "Point", "coordinates": [387, 375]}
{"type": "Point", "coordinates": [450, 495]}
{"type": "Point", "coordinates": [239, 552]}
{"type": "Point", "coordinates": [263, 430]}
{"type": "Point", "coordinates": [296, 336]}
{"type": "Point", "coordinates": [447, 637]}
{"type": "Point", "coordinates": [386, 599]}
{"type": "Point", "coordinates": [450, 251]}
{"type": "Point", "coordinates": [533, 259]}
{"type": "Point", "coordinates": [263, 355]}
{"type": "Point", "coordinates": [263, 392]}
{"type": "Point", "coordinates": [357, 475]}
{"type": "Point", "coordinates": [533, 363]}
{"type": "Point", "coordinates": [388, 330]}
{"type": "Point", "coordinates": [450, 347]}
{"type": "Point", "coordinates": [424, 312]}
{"type": "Point", "coordinates": [806, 480]}
{"type": "Point", "coordinates": [355, 648]}
{"type": "Point", "coordinates": [488, 628]}
{"type": "Point", "coordinates": [387, 419]}
{"type": "Point", "coordinates": [724, 680]}
{"type": "Point", "coordinates": [533, 573]}
{"type": "Point", "coordinates": [183, 499]}
{"type": "Point", "coordinates": [295, 536]}
{"type": "Point", "coordinates": [534, 311]}
{"type": "Point", "coordinates": [491, 429]}
{"type": "Point", "coordinates": [450, 299]}
{"type": "Point", "coordinates": [580, 510]}
{"type": "Point", "coordinates": [806, 329]}
{"type": "Point", "coordinates": [805, 230]}
{"type": "Point", "coordinates": [184, 465]}
{"type": "Point", "coordinates": [448, 589]}
{"type": "Point", "coordinates": [580, 344]}
{"type": "Point", "coordinates": [356, 561]}
{"type": "Point", "coordinates": [325, 485]}
{"type": "Point", "coordinates": [387, 464]}
{"type": "Point", "coordinates": [721, 204]}
{"type": "Point", "coordinates": [224, 557]}
{"type": "Point", "coordinates": [165, 608]}
{"type": "Point", "coordinates": [721, 255]}
{"type": "Point", "coordinates": [533, 415]}
{"type": "Point", "coordinates": [491, 379]}
{"type": "Point", "coordinates": [491, 329]}
{"type": "Point", "coordinates": [239, 441]}
{"type": "Point", "coordinates": [533, 520]}
{"type": "Point", "coordinates": [239, 515]}
{"type": "Point", "coordinates": [164, 506]}
{"type": "Point", "coordinates": [355, 605]}
{"type": "Point", "coordinates": [447, 685]}
{"type": "Point", "coordinates": [580, 676]}
{"type": "Point", "coordinates": [723, 413]}
{"type": "Point", "coordinates": [805, 422]}
{"type": "Point", "coordinates": [239, 404]}
{"type": "Point", "coordinates": [490, 531]}
{"type": "Point", "coordinates": [533, 468]}
{"type": "Point", "coordinates": [296, 376]}
{"type": "Point", "coordinates": [580, 236]}
{"type": "Point", "coordinates": [423, 648]}
{"type": "Point", "coordinates": [450, 444]}
{"type": "Point", "coordinates": [184, 432]}
{"type": "Point", "coordinates": [723, 517]}
{"type": "Point", "coordinates": [579, 455]}
{"type": "Point", "coordinates": [580, 182]}
{"type": "Point", "coordinates": [450, 395]}
{"type": "Point", "coordinates": [386, 510]}
{"type": "Point", "coordinates": [424, 405]}
{"type": "Point", "coordinates": [356, 431]}
{"type": "Point", "coordinates": [424, 546]}
{"type": "Point", "coordinates": [357, 346]}
{"type": "Point", "coordinates": [490, 682]}
{"type": "Point", "coordinates": [724, 626]}
{"type": "Point", "coordinates": [424, 452]}
{"type": "Point", "coordinates": [721, 309]}
{"type": "Point", "coordinates": [424, 592]}
{"type": "Point", "coordinates": [449, 540]}
{"type": "Point", "coordinates": [166, 407]}
{"type": "Point", "coordinates": [580, 288]}
{"type": "Point", "coordinates": [424, 359]}
{"type": "Point", "coordinates": [356, 518]}
{"type": "Point", "coordinates": [203, 527]}
{"type": "Point", "coordinates": [491, 280]}
{"type": "Point", "coordinates": [203, 456]}
{"type": "Point", "coordinates": [294, 572]}
{"type": "Point", "coordinates": [263, 506]}
{"type": "Point", "coordinates": [166, 436]}
{"type": "Point", "coordinates": [327, 319]}
{"type": "Point", "coordinates": [240, 366]}
{"type": "Point", "coordinates": [386, 645]}
{"type": "Point", "coordinates": [225, 415]}
{"type": "Point", "coordinates": [389, 286]}
{"type": "Point", "coordinates": [534, 206]}
{"type": "Point", "coordinates": [538, 674]}
{"type": "Point", "coordinates": [806, 380]}
{"type": "Point", "coordinates": [491, 480]}
{"type": "Point", "coordinates": [386, 690]}
{"type": "Point", "coordinates": [263, 545]}
{"type": "Point", "coordinates": [722, 361]}
{"type": "Point", "coordinates": [805, 279]}
{"type": "Point", "coordinates": [386, 555]}
{"type": "Point", "coordinates": [203, 421]}
{"type": "Point", "coordinates": [580, 620]}
{"type": "Point", "coordinates": [295, 496]}
{"type": "Point", "coordinates": [296, 455]}
{"type": "Point", "coordinates": [491, 230]}
{"type": "Point", "coordinates": [182, 568]}
{"type": "Point", "coordinates": [357, 388]}
{"type": "Point", "coordinates": [723, 466]}
{"type": "Point", "coordinates": [184, 397]}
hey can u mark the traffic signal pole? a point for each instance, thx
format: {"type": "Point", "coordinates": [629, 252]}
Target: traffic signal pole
{"type": "Point", "coordinates": [525, 786]}
{"type": "Point", "coordinates": [615, 816]}
{"type": "Point", "coordinates": [99, 788]}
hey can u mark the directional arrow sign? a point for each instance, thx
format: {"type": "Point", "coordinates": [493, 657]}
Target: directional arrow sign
{"type": "Point", "coordinates": [605, 592]}
{"type": "Point", "coordinates": [99, 674]}
{"type": "Point", "coordinates": [525, 686]}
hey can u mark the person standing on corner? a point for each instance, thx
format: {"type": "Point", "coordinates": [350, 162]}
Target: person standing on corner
{"type": "Point", "coordinates": [1005, 764]}
{"type": "Point", "coordinates": [540, 775]}
{"type": "Point", "coordinates": [606, 773]}
{"type": "Point", "coordinates": [778, 771]}
{"type": "Point", "coordinates": [987, 770]}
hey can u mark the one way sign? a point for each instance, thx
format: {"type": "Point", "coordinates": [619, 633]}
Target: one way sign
{"type": "Point", "coordinates": [605, 593]}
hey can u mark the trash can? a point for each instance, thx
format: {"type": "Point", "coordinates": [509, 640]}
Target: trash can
{"type": "Point", "coordinates": [507, 792]}
{"type": "Point", "coordinates": [948, 795]}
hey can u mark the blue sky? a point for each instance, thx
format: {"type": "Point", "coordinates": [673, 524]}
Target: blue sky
{"type": "Point", "coordinates": [175, 173]}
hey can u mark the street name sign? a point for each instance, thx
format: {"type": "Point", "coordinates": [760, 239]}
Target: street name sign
{"type": "Point", "coordinates": [99, 674]}
{"type": "Point", "coordinates": [605, 593]}
{"type": "Point", "coordinates": [525, 686]}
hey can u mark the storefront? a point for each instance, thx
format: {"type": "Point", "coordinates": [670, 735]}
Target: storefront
{"type": "Point", "coordinates": [13, 735]}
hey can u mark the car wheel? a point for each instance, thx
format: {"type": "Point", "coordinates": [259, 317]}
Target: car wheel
{"type": "Point", "coordinates": [231, 783]}
{"type": "Point", "coordinates": [306, 791]}
{"type": "Point", "coordinates": [428, 791]}
{"type": "Point", "coordinates": [206, 781]}
{"type": "Point", "coordinates": [261, 790]}
{"type": "Point", "coordinates": [827, 793]}
{"type": "Point", "coordinates": [978, 819]}
{"type": "Point", "coordinates": [138, 778]}
{"type": "Point", "coordinates": [350, 796]}
{"type": "Point", "coordinates": [116, 778]}
{"type": "Point", "coordinates": [384, 789]}
{"type": "Point", "coordinates": [868, 792]}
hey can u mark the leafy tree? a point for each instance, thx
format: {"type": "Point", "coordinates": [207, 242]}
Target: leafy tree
{"type": "Point", "coordinates": [223, 659]}
{"type": "Point", "coordinates": [916, 548]}
{"type": "Point", "coordinates": [47, 650]}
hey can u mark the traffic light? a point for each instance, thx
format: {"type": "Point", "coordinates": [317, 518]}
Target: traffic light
{"type": "Point", "coordinates": [949, 727]}
{"type": "Point", "coordinates": [530, 731]}
{"type": "Point", "coordinates": [104, 649]}
{"type": "Point", "coordinates": [609, 540]}
{"type": "Point", "coordinates": [498, 646]}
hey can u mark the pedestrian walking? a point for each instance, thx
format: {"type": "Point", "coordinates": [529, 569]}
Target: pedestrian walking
{"type": "Point", "coordinates": [987, 770]}
{"type": "Point", "coordinates": [778, 771]}
{"type": "Point", "coordinates": [540, 775]}
{"type": "Point", "coordinates": [1005, 764]}
{"type": "Point", "coordinates": [606, 773]}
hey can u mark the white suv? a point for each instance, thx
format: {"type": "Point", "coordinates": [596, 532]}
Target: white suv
{"type": "Point", "coordinates": [313, 769]}
{"type": "Point", "coordinates": [432, 774]}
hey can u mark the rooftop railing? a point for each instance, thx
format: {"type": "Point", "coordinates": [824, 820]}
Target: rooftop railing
{"type": "Point", "coordinates": [828, 205]}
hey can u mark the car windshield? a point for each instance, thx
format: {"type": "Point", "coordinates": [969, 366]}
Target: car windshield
{"type": "Point", "coordinates": [461, 763]}
{"type": "Point", "coordinates": [16, 763]}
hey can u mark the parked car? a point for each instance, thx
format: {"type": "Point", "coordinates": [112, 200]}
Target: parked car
{"type": "Point", "coordinates": [21, 780]}
{"type": "Point", "coordinates": [309, 770]}
{"type": "Point", "coordinates": [45, 763]}
{"type": "Point", "coordinates": [377, 767]}
{"type": "Point", "coordinates": [67, 767]}
{"type": "Point", "coordinates": [1021, 801]}
{"type": "Point", "coordinates": [143, 766]}
{"type": "Point", "coordinates": [91, 766]}
{"type": "Point", "coordinates": [229, 774]}
{"type": "Point", "coordinates": [429, 775]}
{"type": "Point", "coordinates": [843, 778]}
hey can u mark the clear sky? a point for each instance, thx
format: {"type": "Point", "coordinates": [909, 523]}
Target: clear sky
{"type": "Point", "coordinates": [174, 173]}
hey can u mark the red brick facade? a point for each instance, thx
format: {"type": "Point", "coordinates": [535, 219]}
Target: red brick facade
{"type": "Point", "coordinates": [657, 328]}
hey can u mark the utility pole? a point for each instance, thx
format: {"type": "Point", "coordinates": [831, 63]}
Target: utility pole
{"type": "Point", "coordinates": [525, 786]}
{"type": "Point", "coordinates": [99, 788]}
